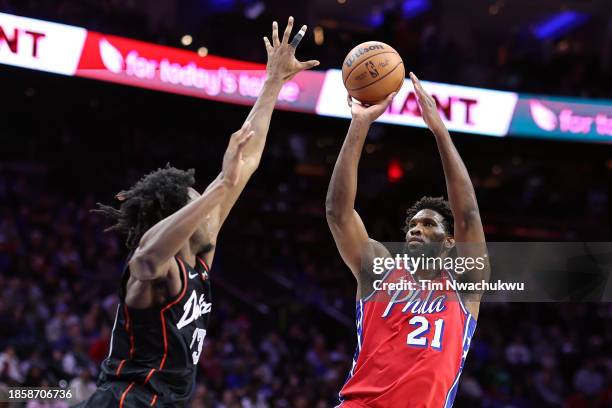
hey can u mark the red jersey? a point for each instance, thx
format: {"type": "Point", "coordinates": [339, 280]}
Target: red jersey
{"type": "Point", "coordinates": [411, 346]}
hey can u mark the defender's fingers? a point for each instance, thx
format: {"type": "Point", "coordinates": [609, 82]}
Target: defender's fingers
{"type": "Point", "coordinates": [298, 37]}
{"type": "Point", "coordinates": [268, 45]}
{"type": "Point", "coordinates": [275, 40]}
{"type": "Point", "coordinates": [288, 29]}
{"type": "Point", "coordinates": [309, 64]}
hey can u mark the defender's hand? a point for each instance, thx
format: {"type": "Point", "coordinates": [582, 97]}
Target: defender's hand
{"type": "Point", "coordinates": [282, 64]}
{"type": "Point", "coordinates": [427, 104]}
{"type": "Point", "coordinates": [232, 160]}
{"type": "Point", "coordinates": [369, 113]}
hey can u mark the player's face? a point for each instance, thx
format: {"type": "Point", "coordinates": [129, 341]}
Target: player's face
{"type": "Point", "coordinates": [425, 230]}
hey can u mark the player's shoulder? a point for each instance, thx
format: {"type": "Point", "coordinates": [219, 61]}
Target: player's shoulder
{"type": "Point", "coordinates": [373, 249]}
{"type": "Point", "coordinates": [378, 247]}
{"type": "Point", "coordinates": [370, 252]}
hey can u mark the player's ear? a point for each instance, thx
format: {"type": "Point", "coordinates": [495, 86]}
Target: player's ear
{"type": "Point", "coordinates": [449, 242]}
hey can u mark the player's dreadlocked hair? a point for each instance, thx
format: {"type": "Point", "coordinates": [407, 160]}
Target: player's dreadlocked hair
{"type": "Point", "coordinates": [439, 205]}
{"type": "Point", "coordinates": [156, 196]}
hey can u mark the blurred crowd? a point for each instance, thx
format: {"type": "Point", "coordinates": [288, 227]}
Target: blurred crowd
{"type": "Point", "coordinates": [282, 331]}
{"type": "Point", "coordinates": [493, 45]}
{"type": "Point", "coordinates": [59, 277]}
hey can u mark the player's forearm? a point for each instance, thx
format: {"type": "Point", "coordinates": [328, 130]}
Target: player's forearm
{"type": "Point", "coordinates": [342, 190]}
{"type": "Point", "coordinates": [162, 241]}
{"type": "Point", "coordinates": [260, 117]}
{"type": "Point", "coordinates": [461, 194]}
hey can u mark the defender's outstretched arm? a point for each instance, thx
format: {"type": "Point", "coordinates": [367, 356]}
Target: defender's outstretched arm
{"type": "Point", "coordinates": [281, 67]}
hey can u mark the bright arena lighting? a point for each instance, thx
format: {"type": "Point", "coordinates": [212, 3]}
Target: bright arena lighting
{"type": "Point", "coordinates": [319, 35]}
{"type": "Point", "coordinates": [186, 40]}
{"type": "Point", "coordinates": [202, 51]}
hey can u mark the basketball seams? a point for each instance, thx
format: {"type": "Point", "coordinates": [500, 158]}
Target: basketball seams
{"type": "Point", "coordinates": [366, 60]}
{"type": "Point", "coordinates": [379, 79]}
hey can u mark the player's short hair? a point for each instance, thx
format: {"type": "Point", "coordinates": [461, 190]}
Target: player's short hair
{"type": "Point", "coordinates": [437, 204]}
{"type": "Point", "coordinates": [153, 198]}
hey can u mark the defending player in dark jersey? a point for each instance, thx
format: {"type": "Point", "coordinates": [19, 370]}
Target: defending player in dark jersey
{"type": "Point", "coordinates": [165, 296]}
{"type": "Point", "coordinates": [411, 344]}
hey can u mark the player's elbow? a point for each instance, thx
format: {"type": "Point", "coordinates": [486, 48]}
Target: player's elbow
{"type": "Point", "coordinates": [332, 212]}
{"type": "Point", "coordinates": [337, 220]}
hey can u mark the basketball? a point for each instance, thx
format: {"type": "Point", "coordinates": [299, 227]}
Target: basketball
{"type": "Point", "coordinates": [371, 71]}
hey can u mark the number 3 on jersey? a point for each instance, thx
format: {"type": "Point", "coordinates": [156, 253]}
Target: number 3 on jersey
{"type": "Point", "coordinates": [198, 335]}
{"type": "Point", "coordinates": [417, 337]}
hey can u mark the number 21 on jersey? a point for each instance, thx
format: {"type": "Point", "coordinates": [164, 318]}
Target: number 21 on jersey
{"type": "Point", "coordinates": [417, 338]}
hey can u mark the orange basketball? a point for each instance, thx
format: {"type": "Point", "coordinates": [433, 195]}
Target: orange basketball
{"type": "Point", "coordinates": [371, 71]}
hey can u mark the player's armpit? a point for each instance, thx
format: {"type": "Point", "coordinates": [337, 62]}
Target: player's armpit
{"type": "Point", "coordinates": [479, 271]}
{"type": "Point", "coordinates": [215, 219]}
{"type": "Point", "coordinates": [470, 244]}
{"type": "Point", "coordinates": [142, 294]}
{"type": "Point", "coordinates": [211, 230]}
{"type": "Point", "coordinates": [144, 268]}
{"type": "Point", "coordinates": [354, 245]}
{"type": "Point", "coordinates": [350, 236]}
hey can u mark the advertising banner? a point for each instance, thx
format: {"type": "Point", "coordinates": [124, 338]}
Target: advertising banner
{"type": "Point", "coordinates": [463, 109]}
{"type": "Point", "coordinates": [136, 63]}
{"type": "Point", "coordinates": [563, 118]}
{"type": "Point", "coordinates": [75, 51]}
{"type": "Point", "coordinates": [40, 45]}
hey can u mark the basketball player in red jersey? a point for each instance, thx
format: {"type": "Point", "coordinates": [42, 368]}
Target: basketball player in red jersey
{"type": "Point", "coordinates": [411, 344]}
{"type": "Point", "coordinates": [165, 290]}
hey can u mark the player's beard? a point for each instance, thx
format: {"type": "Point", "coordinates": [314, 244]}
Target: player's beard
{"type": "Point", "coordinates": [430, 249]}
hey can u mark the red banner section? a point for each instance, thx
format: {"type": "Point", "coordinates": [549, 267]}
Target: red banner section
{"type": "Point", "coordinates": [136, 63]}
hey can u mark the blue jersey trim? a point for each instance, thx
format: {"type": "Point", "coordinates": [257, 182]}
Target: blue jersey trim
{"type": "Point", "coordinates": [470, 327]}
{"type": "Point", "coordinates": [450, 275]}
{"type": "Point", "coordinates": [359, 321]}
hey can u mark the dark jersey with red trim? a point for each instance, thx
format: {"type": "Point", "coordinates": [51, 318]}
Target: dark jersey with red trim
{"type": "Point", "coordinates": [159, 347]}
